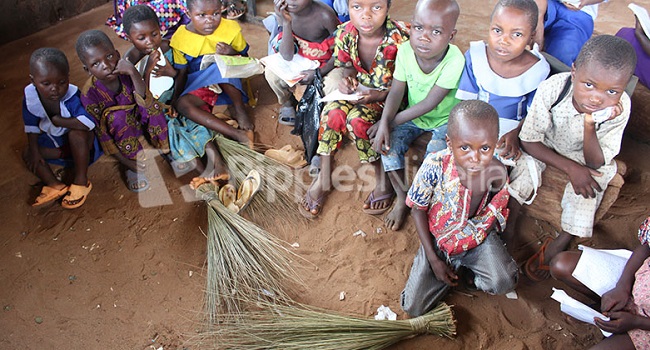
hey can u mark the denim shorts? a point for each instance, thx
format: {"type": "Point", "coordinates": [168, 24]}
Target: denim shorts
{"type": "Point", "coordinates": [401, 138]}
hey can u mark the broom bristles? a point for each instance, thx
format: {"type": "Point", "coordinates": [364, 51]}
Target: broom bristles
{"type": "Point", "coordinates": [279, 192]}
{"type": "Point", "coordinates": [244, 262]}
{"type": "Point", "coordinates": [302, 327]}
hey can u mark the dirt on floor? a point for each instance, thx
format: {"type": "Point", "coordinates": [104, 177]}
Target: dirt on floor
{"type": "Point", "coordinates": [128, 272]}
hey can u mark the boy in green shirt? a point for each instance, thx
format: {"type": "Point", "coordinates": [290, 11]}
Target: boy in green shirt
{"type": "Point", "coordinates": [429, 67]}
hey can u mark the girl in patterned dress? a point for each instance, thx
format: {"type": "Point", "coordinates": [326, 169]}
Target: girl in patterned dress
{"type": "Point", "coordinates": [366, 47]}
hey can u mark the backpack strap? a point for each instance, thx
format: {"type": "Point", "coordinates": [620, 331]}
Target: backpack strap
{"type": "Point", "coordinates": [563, 93]}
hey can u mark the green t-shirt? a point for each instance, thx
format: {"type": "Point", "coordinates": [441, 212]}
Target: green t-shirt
{"type": "Point", "coordinates": [446, 75]}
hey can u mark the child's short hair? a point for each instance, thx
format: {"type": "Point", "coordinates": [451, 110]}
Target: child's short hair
{"type": "Point", "coordinates": [611, 52]}
{"type": "Point", "coordinates": [50, 55]}
{"type": "Point", "coordinates": [91, 38]}
{"type": "Point", "coordinates": [190, 3]}
{"type": "Point", "coordinates": [529, 7]}
{"type": "Point", "coordinates": [137, 14]}
{"type": "Point", "coordinates": [477, 111]}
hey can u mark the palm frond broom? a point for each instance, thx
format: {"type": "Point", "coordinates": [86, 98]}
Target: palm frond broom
{"type": "Point", "coordinates": [294, 327]}
{"type": "Point", "coordinates": [244, 262]}
{"type": "Point", "coordinates": [278, 197]}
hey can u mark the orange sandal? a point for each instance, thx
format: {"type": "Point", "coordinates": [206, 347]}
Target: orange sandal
{"type": "Point", "coordinates": [49, 194]}
{"type": "Point", "coordinates": [77, 196]}
{"type": "Point", "coordinates": [537, 260]}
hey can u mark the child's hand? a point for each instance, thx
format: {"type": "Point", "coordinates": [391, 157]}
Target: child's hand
{"type": "Point", "coordinates": [379, 135]}
{"type": "Point", "coordinates": [33, 159]}
{"type": "Point", "coordinates": [281, 10]}
{"type": "Point", "coordinates": [225, 49]}
{"type": "Point", "coordinates": [508, 145]}
{"type": "Point", "coordinates": [582, 180]}
{"type": "Point", "coordinates": [152, 62]}
{"type": "Point", "coordinates": [348, 85]}
{"type": "Point", "coordinates": [308, 76]}
{"type": "Point", "coordinates": [125, 67]}
{"type": "Point", "coordinates": [370, 96]}
{"type": "Point", "coordinates": [619, 322]}
{"type": "Point", "coordinates": [443, 272]}
{"type": "Point", "coordinates": [614, 300]}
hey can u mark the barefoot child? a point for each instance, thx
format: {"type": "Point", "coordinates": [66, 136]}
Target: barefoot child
{"type": "Point", "coordinates": [58, 129]}
{"type": "Point", "coordinates": [206, 34]}
{"type": "Point", "coordinates": [502, 72]}
{"type": "Point", "coordinates": [567, 128]}
{"type": "Point", "coordinates": [187, 139]}
{"type": "Point", "coordinates": [311, 25]}
{"type": "Point", "coordinates": [429, 68]}
{"type": "Point", "coordinates": [123, 108]}
{"type": "Point", "coordinates": [627, 305]}
{"type": "Point", "coordinates": [366, 47]}
{"type": "Point", "coordinates": [459, 199]}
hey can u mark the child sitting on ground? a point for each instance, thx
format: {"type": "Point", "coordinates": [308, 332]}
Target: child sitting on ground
{"type": "Point", "coordinates": [187, 139]}
{"type": "Point", "coordinates": [123, 108]}
{"type": "Point", "coordinates": [627, 305]}
{"type": "Point", "coordinates": [207, 34]}
{"type": "Point", "coordinates": [640, 40]}
{"type": "Point", "coordinates": [567, 26]}
{"type": "Point", "coordinates": [58, 129]}
{"type": "Point", "coordinates": [366, 47]}
{"type": "Point", "coordinates": [459, 199]}
{"type": "Point", "coordinates": [429, 69]}
{"type": "Point", "coordinates": [575, 124]}
{"type": "Point", "coordinates": [311, 25]}
{"type": "Point", "coordinates": [502, 72]}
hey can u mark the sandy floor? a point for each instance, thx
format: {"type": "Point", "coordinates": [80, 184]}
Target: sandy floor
{"type": "Point", "coordinates": [124, 272]}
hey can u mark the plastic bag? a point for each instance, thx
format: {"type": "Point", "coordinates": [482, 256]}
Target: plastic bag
{"type": "Point", "coordinates": [308, 116]}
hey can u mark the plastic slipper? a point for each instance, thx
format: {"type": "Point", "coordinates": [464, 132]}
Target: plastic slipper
{"type": "Point", "coordinates": [77, 196]}
{"type": "Point", "coordinates": [49, 194]}
{"type": "Point", "coordinates": [288, 156]}
{"type": "Point", "coordinates": [538, 260]}
{"type": "Point", "coordinates": [248, 188]}
{"type": "Point", "coordinates": [217, 181]}
{"type": "Point", "coordinates": [287, 116]}
{"type": "Point", "coordinates": [372, 200]}
{"type": "Point", "coordinates": [228, 196]}
{"type": "Point", "coordinates": [180, 168]}
{"type": "Point", "coordinates": [137, 182]}
{"type": "Point", "coordinates": [234, 12]}
{"type": "Point", "coordinates": [312, 205]}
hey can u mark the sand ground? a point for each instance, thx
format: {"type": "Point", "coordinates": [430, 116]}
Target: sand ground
{"type": "Point", "coordinates": [127, 272]}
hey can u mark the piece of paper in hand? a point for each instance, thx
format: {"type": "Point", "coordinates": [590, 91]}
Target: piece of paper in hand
{"type": "Point", "coordinates": [577, 310]}
{"type": "Point", "coordinates": [160, 84]}
{"type": "Point", "coordinates": [289, 71]}
{"type": "Point", "coordinates": [337, 95]}
{"type": "Point", "coordinates": [642, 15]}
{"type": "Point", "coordinates": [385, 313]}
{"type": "Point", "coordinates": [600, 269]}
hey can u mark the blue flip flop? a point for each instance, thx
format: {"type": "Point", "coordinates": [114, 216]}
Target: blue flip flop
{"type": "Point", "coordinates": [134, 179]}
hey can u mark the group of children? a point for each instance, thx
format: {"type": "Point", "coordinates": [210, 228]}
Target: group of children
{"type": "Point", "coordinates": [495, 117]}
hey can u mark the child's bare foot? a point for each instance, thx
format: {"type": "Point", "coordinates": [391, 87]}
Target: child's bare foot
{"type": "Point", "coordinates": [242, 119]}
{"type": "Point", "coordinates": [395, 219]}
{"type": "Point", "coordinates": [246, 138]}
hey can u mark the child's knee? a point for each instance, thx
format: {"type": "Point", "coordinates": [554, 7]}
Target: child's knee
{"type": "Point", "coordinates": [499, 284]}
{"type": "Point", "coordinates": [562, 266]}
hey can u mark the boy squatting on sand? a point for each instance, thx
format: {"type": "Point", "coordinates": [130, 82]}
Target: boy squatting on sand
{"type": "Point", "coordinates": [459, 202]}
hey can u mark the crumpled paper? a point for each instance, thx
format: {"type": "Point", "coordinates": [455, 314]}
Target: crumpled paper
{"type": "Point", "coordinates": [385, 313]}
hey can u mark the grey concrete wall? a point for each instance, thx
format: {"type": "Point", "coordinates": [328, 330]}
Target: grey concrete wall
{"type": "Point", "coordinates": [19, 18]}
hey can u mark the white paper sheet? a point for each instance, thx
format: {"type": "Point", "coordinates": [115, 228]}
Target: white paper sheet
{"type": "Point", "coordinates": [289, 71]}
{"type": "Point", "coordinates": [577, 310]}
{"type": "Point", "coordinates": [600, 269]}
{"type": "Point", "coordinates": [642, 15]}
{"type": "Point", "coordinates": [337, 95]}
